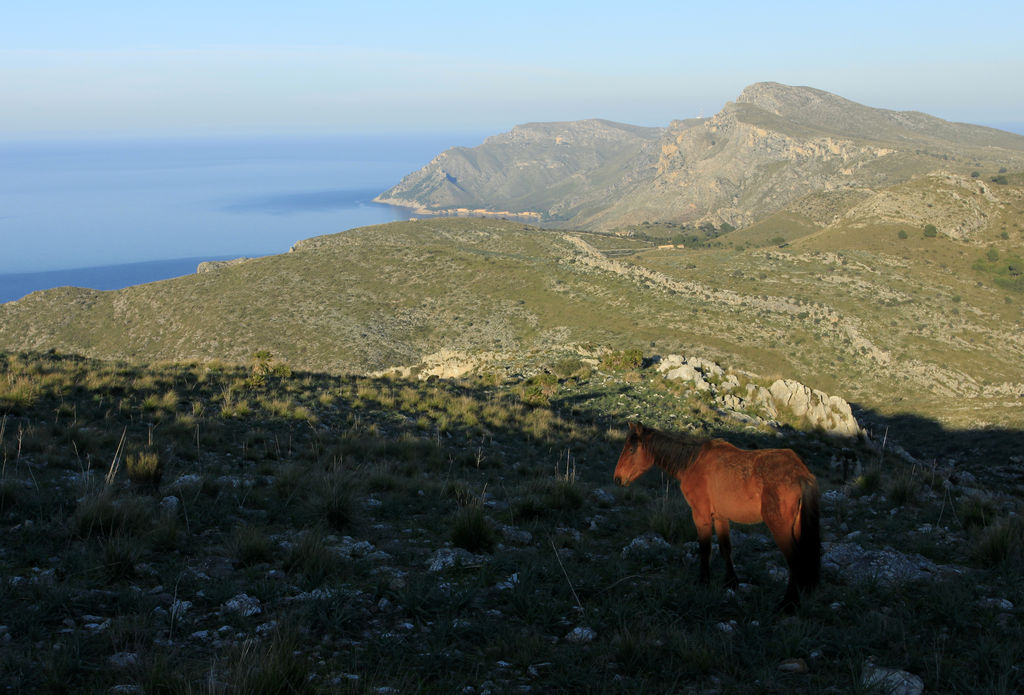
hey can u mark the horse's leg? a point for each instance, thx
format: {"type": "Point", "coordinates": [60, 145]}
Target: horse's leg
{"type": "Point", "coordinates": [781, 526]}
{"type": "Point", "coordinates": [725, 549]}
{"type": "Point", "coordinates": [704, 541]}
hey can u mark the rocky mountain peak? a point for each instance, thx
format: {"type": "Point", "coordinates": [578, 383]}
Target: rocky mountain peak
{"type": "Point", "coordinates": [790, 101]}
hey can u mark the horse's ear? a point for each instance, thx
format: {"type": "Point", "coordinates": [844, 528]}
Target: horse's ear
{"type": "Point", "coordinates": [636, 427]}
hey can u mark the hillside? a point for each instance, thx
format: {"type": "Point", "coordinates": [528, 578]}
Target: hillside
{"type": "Point", "coordinates": [539, 171]}
{"type": "Point", "coordinates": [204, 528]}
{"type": "Point", "coordinates": [922, 325]}
{"type": "Point", "coordinates": [774, 145]}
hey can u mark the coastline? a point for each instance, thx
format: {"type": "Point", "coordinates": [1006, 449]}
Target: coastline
{"type": "Point", "coordinates": [416, 208]}
{"type": "Point", "coordinates": [15, 286]}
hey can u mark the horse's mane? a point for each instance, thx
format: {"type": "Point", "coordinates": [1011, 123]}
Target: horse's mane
{"type": "Point", "coordinates": [672, 452]}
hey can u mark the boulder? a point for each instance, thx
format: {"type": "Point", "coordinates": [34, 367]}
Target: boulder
{"type": "Point", "coordinates": [819, 410]}
{"type": "Point", "coordinates": [891, 680]}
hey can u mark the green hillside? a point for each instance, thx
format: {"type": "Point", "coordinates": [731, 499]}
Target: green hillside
{"type": "Point", "coordinates": [925, 325]}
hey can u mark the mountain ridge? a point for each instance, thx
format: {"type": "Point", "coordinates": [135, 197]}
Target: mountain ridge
{"type": "Point", "coordinates": [772, 146]}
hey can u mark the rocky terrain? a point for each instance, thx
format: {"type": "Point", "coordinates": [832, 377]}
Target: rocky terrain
{"type": "Point", "coordinates": [539, 171]}
{"type": "Point", "coordinates": [185, 528]}
{"type": "Point", "coordinates": [774, 146]}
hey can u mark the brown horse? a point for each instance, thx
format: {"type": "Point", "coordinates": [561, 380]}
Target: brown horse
{"type": "Point", "coordinates": [722, 483]}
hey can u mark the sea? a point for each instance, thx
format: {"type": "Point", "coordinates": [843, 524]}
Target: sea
{"type": "Point", "coordinates": [106, 214]}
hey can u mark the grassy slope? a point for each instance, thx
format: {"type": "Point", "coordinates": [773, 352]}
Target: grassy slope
{"type": "Point", "coordinates": [896, 325]}
{"type": "Point", "coordinates": [324, 498]}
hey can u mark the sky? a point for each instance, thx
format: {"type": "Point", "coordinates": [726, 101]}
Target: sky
{"type": "Point", "coordinates": [106, 68]}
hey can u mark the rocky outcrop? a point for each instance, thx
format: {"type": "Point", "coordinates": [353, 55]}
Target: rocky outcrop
{"type": "Point", "coordinates": [539, 171]}
{"type": "Point", "coordinates": [785, 399]}
{"type": "Point", "coordinates": [775, 145]}
{"type": "Point", "coordinates": [210, 266]}
{"type": "Point", "coordinates": [818, 409]}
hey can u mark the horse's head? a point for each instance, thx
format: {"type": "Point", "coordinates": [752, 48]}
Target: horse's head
{"type": "Point", "coordinates": [635, 458]}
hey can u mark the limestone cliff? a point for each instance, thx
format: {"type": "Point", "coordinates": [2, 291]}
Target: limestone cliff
{"type": "Point", "coordinates": [773, 146]}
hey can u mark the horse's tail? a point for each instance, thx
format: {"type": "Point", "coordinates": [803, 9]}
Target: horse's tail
{"type": "Point", "coordinates": [806, 565]}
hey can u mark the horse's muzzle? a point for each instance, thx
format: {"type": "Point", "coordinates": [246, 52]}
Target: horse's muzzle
{"type": "Point", "coordinates": [619, 480]}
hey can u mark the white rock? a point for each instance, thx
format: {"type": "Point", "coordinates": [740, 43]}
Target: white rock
{"type": "Point", "coordinates": [446, 558]}
{"type": "Point", "coordinates": [581, 635]}
{"type": "Point", "coordinates": [891, 681]}
{"type": "Point", "coordinates": [243, 604]}
{"type": "Point", "coordinates": [123, 659]}
{"type": "Point", "coordinates": [650, 543]}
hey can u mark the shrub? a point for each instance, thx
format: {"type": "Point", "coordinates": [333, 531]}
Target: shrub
{"type": "Point", "coordinates": [570, 366]}
{"type": "Point", "coordinates": [311, 558]}
{"type": "Point", "coordinates": [120, 555]}
{"type": "Point", "coordinates": [335, 501]}
{"type": "Point", "coordinates": [1000, 543]}
{"type": "Point", "coordinates": [250, 545]}
{"type": "Point", "coordinates": [902, 234]}
{"type": "Point", "coordinates": [930, 231]}
{"type": "Point", "coordinates": [472, 531]}
{"type": "Point", "coordinates": [144, 468]}
{"type": "Point", "coordinates": [537, 390]}
{"type": "Point", "coordinates": [903, 489]}
{"type": "Point", "coordinates": [98, 514]}
{"type": "Point", "coordinates": [868, 483]}
{"type": "Point", "coordinates": [976, 512]}
{"type": "Point", "coordinates": [270, 666]}
{"type": "Point", "coordinates": [562, 495]}
{"type": "Point", "coordinates": [633, 358]}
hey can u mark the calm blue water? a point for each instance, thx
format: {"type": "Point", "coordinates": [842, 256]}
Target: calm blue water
{"type": "Point", "coordinates": [110, 214]}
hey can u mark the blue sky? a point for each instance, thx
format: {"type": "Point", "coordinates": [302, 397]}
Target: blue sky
{"type": "Point", "coordinates": [104, 68]}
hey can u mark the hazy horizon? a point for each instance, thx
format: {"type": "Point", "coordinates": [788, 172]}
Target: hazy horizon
{"type": "Point", "coordinates": [116, 74]}
{"type": "Point", "coordinates": [120, 69]}
{"type": "Point", "coordinates": [68, 205]}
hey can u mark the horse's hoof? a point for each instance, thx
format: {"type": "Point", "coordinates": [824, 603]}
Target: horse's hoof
{"type": "Point", "coordinates": [788, 606]}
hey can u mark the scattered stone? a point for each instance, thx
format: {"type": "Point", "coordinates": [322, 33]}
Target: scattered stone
{"type": "Point", "coordinates": [515, 535]}
{"type": "Point", "coordinates": [446, 558]}
{"type": "Point", "coordinates": [852, 563]}
{"type": "Point", "coordinates": [999, 604]}
{"type": "Point", "coordinates": [603, 496]}
{"type": "Point", "coordinates": [647, 546]}
{"type": "Point", "coordinates": [891, 681]}
{"type": "Point", "coordinates": [793, 666]}
{"type": "Point", "coordinates": [186, 481]}
{"type": "Point", "coordinates": [95, 623]}
{"type": "Point", "coordinates": [123, 659]}
{"type": "Point", "coordinates": [170, 504]}
{"type": "Point", "coordinates": [179, 608]}
{"type": "Point", "coordinates": [243, 604]}
{"type": "Point", "coordinates": [351, 548]}
{"type": "Point", "coordinates": [509, 583]}
{"type": "Point", "coordinates": [581, 635]}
